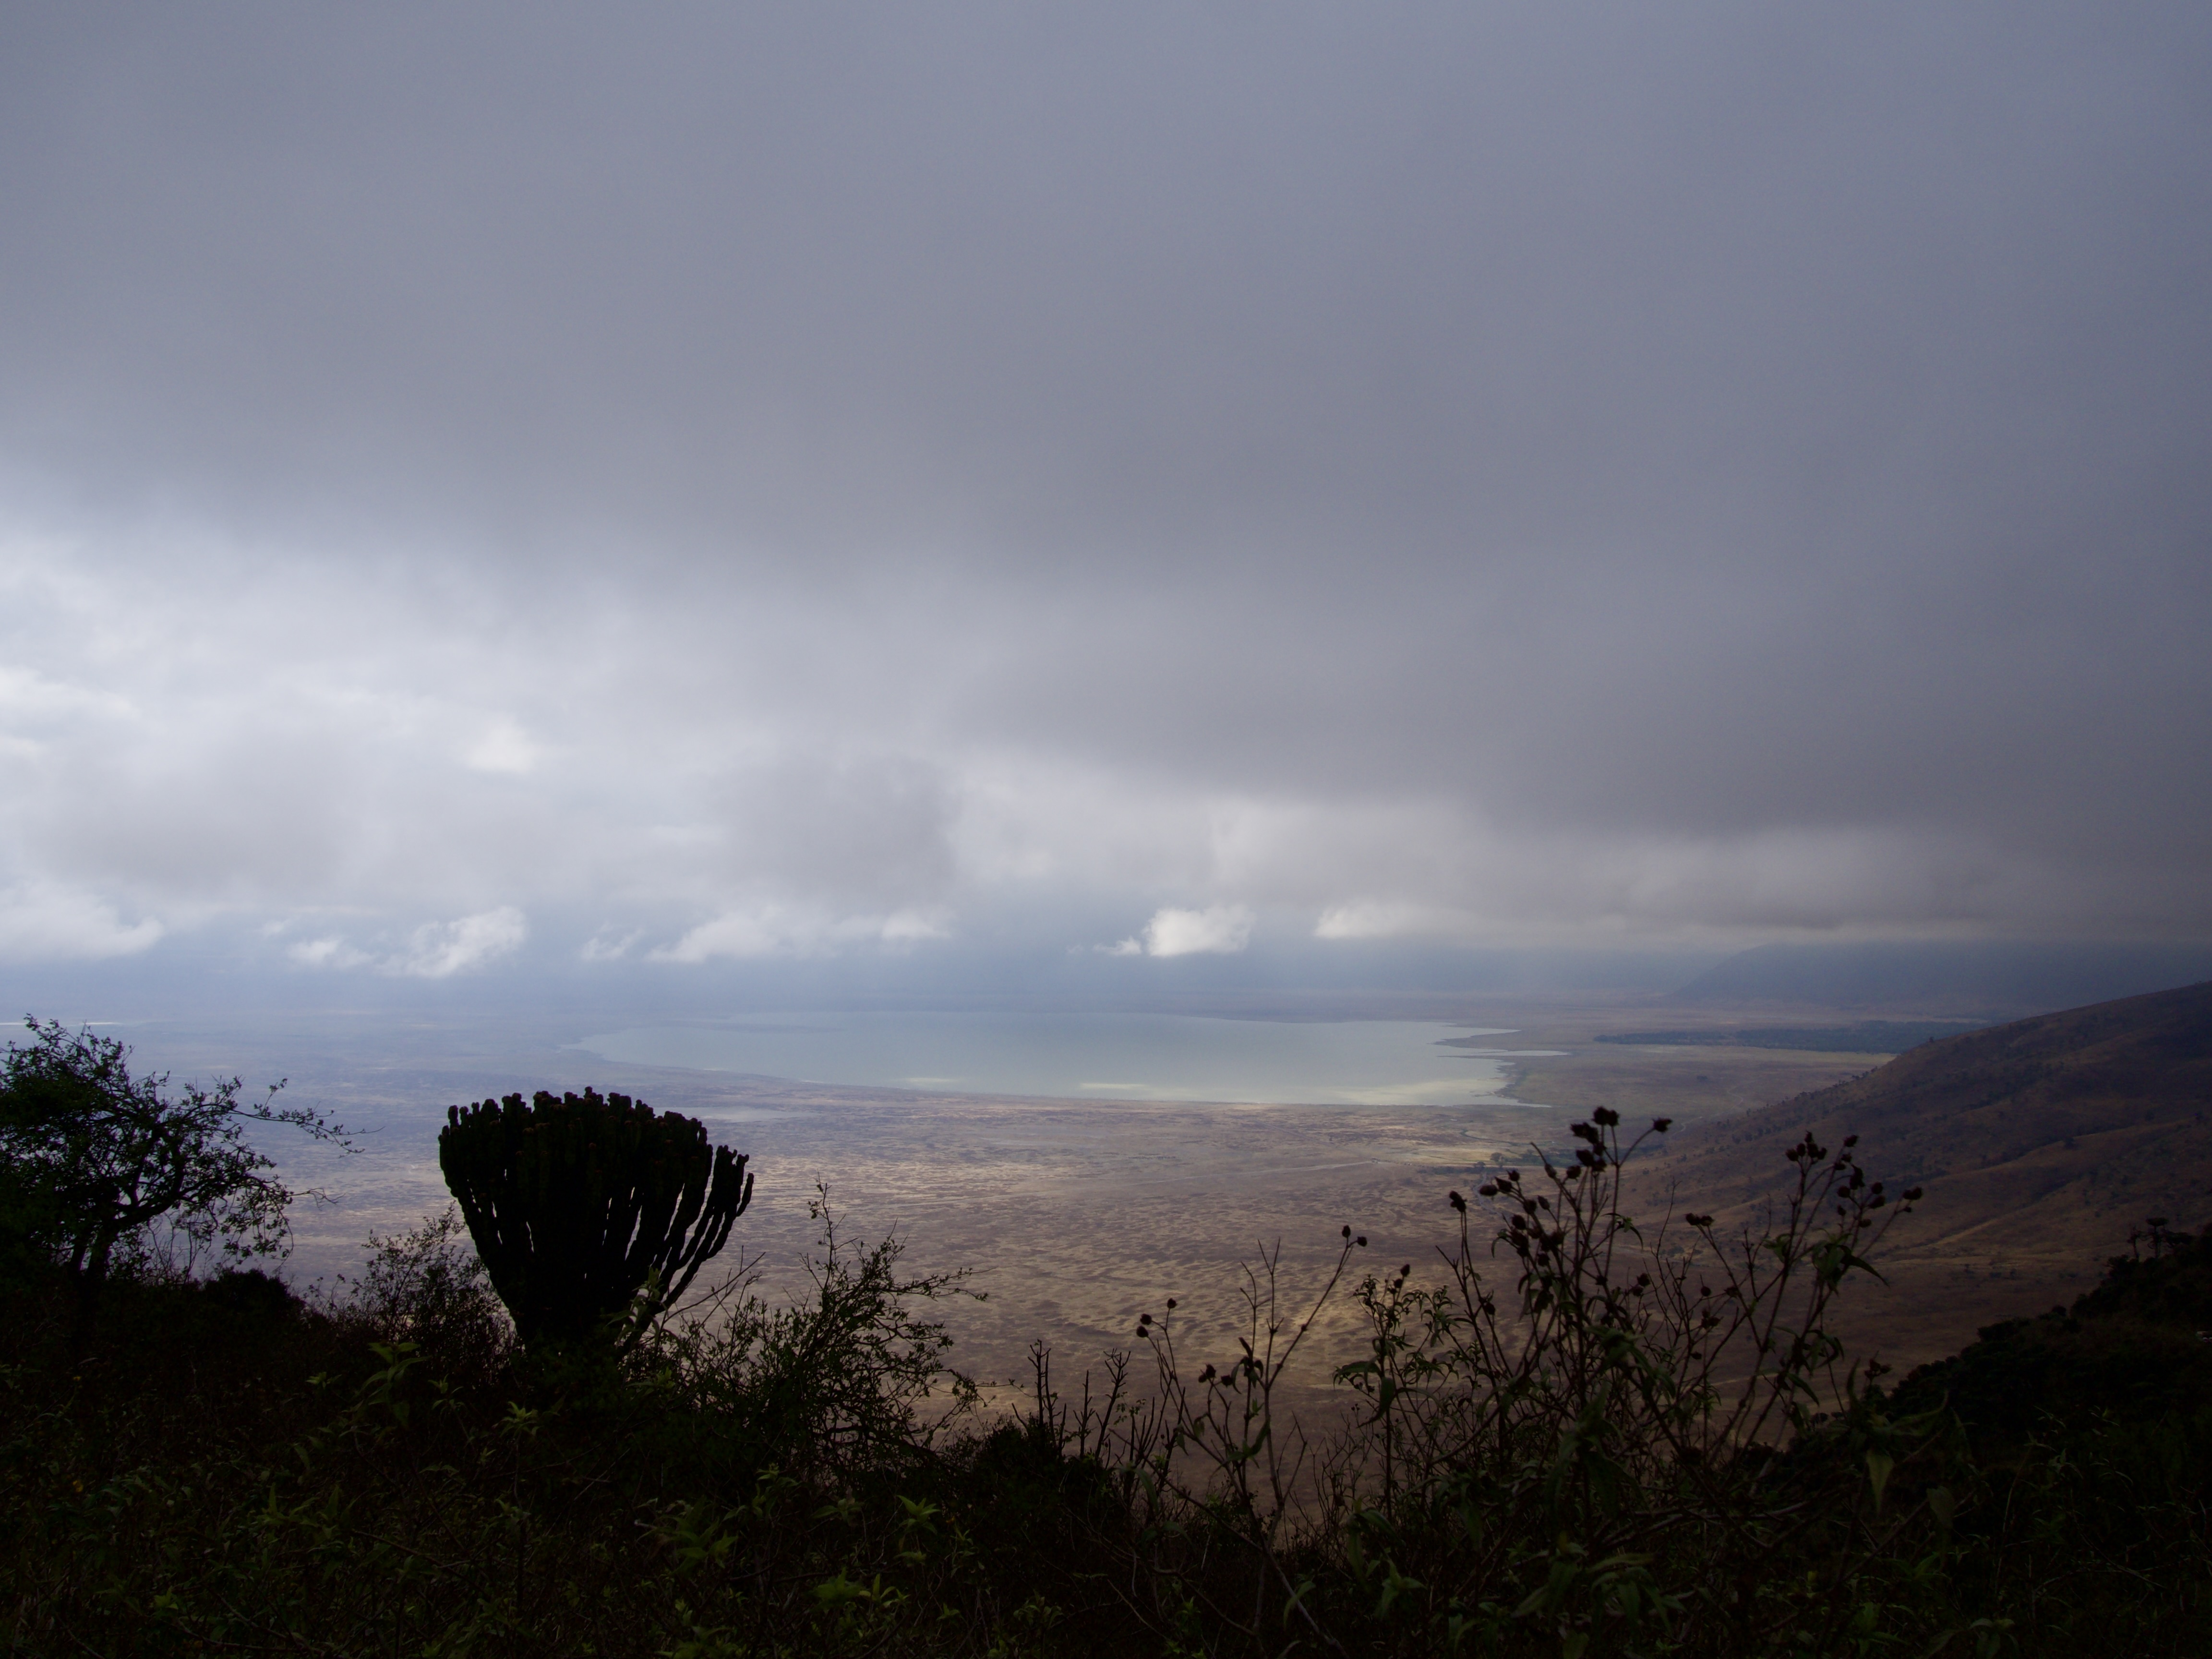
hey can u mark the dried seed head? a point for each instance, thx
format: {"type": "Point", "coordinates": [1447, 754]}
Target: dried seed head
{"type": "Point", "coordinates": [1663, 1124]}
{"type": "Point", "coordinates": [1607, 1117]}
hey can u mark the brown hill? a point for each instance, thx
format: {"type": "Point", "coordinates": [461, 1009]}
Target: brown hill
{"type": "Point", "coordinates": [2041, 1145]}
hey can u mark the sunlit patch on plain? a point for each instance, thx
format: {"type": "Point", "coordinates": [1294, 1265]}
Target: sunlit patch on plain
{"type": "Point", "coordinates": [1436, 1092]}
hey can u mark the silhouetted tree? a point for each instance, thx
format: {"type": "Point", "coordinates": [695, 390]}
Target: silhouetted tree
{"type": "Point", "coordinates": [94, 1160]}
{"type": "Point", "coordinates": [578, 1203]}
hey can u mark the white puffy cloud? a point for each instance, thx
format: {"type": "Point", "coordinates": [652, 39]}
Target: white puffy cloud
{"type": "Point", "coordinates": [330, 951]}
{"type": "Point", "coordinates": [440, 950]}
{"type": "Point", "coordinates": [44, 921]}
{"type": "Point", "coordinates": [785, 930]}
{"type": "Point", "coordinates": [608, 947]}
{"type": "Point", "coordinates": [1218, 930]}
{"type": "Point", "coordinates": [913, 927]}
{"type": "Point", "coordinates": [1398, 921]}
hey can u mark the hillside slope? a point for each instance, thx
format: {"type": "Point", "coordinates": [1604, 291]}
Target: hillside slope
{"type": "Point", "coordinates": [2042, 1146]}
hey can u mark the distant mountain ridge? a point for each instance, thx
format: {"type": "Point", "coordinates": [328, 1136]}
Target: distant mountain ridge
{"type": "Point", "coordinates": [1988, 981]}
{"type": "Point", "coordinates": [1867, 1036]}
{"type": "Point", "coordinates": [2041, 1145]}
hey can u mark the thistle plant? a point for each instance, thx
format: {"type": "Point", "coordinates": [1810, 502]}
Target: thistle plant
{"type": "Point", "coordinates": [1624, 1437]}
{"type": "Point", "coordinates": [592, 1212]}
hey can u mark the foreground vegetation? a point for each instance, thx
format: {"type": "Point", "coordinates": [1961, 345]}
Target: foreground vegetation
{"type": "Point", "coordinates": [1579, 1437]}
{"type": "Point", "coordinates": [224, 1470]}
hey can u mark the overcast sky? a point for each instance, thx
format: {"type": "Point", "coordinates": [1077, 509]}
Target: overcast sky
{"type": "Point", "coordinates": [488, 484]}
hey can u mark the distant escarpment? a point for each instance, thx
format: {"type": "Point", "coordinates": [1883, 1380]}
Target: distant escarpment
{"type": "Point", "coordinates": [2043, 1145]}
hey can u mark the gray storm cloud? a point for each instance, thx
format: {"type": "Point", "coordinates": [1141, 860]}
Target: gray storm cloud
{"type": "Point", "coordinates": [783, 482]}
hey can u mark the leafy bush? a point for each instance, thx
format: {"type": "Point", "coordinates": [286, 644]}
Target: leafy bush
{"type": "Point", "coordinates": [428, 1287]}
{"type": "Point", "coordinates": [97, 1166]}
{"type": "Point", "coordinates": [830, 1384]}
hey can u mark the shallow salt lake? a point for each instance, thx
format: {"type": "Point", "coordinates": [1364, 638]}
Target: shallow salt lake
{"type": "Point", "coordinates": [1093, 1056]}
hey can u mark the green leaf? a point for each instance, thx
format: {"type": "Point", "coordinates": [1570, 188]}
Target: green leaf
{"type": "Point", "coordinates": [1879, 1464]}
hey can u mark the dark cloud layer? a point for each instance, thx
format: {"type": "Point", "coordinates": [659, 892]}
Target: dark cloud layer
{"type": "Point", "coordinates": [810, 477]}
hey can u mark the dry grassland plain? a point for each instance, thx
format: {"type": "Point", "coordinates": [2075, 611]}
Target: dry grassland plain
{"type": "Point", "coordinates": [1073, 1216]}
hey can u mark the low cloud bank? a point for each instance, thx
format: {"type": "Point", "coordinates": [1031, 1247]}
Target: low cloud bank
{"type": "Point", "coordinates": [436, 950]}
{"type": "Point", "coordinates": [1705, 481]}
{"type": "Point", "coordinates": [778, 929]}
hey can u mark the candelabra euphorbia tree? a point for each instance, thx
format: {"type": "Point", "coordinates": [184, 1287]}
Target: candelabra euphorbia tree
{"type": "Point", "coordinates": [592, 1212]}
